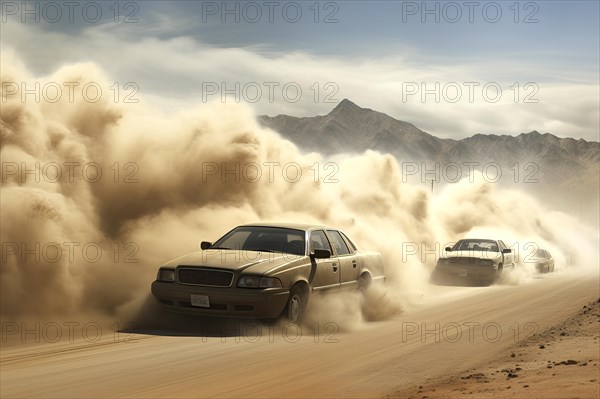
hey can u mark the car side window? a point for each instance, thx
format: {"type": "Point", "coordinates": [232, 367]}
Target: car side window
{"type": "Point", "coordinates": [502, 245]}
{"type": "Point", "coordinates": [350, 244]}
{"type": "Point", "coordinates": [318, 240]}
{"type": "Point", "coordinates": [338, 242]}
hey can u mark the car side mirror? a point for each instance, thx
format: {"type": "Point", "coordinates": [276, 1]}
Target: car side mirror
{"type": "Point", "coordinates": [321, 254]}
{"type": "Point", "coordinates": [449, 249]}
{"type": "Point", "coordinates": [507, 251]}
{"type": "Point", "coordinates": [205, 245]}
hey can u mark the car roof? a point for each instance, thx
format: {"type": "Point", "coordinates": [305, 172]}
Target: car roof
{"type": "Point", "coordinates": [295, 226]}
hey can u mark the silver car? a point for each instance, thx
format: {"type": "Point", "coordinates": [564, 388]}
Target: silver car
{"type": "Point", "coordinates": [474, 260]}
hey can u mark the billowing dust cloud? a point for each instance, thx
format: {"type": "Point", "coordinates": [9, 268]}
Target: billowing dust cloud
{"type": "Point", "coordinates": [97, 194]}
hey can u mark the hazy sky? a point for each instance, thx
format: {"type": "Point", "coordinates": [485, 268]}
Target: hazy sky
{"type": "Point", "coordinates": [452, 68]}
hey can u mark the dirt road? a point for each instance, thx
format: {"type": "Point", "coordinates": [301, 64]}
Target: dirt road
{"type": "Point", "coordinates": [455, 329]}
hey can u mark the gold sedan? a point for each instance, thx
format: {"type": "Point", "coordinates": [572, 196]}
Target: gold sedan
{"type": "Point", "coordinates": [265, 271]}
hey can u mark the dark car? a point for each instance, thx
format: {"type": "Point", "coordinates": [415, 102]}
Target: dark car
{"type": "Point", "coordinates": [474, 260]}
{"type": "Point", "coordinates": [265, 271]}
{"type": "Point", "coordinates": [544, 262]}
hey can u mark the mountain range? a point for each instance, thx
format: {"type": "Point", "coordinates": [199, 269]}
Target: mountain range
{"type": "Point", "coordinates": [564, 167]}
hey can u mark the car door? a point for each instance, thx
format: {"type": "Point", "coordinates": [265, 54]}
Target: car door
{"type": "Point", "coordinates": [326, 271]}
{"type": "Point", "coordinates": [346, 258]}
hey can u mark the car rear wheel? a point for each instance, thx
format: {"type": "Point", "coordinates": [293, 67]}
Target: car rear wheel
{"type": "Point", "coordinates": [364, 281]}
{"type": "Point", "coordinates": [363, 284]}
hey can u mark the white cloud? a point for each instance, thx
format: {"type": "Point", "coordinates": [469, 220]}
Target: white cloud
{"type": "Point", "coordinates": [179, 70]}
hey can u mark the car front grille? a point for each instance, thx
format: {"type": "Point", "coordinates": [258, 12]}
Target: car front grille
{"type": "Point", "coordinates": [463, 260]}
{"type": "Point", "coordinates": [206, 277]}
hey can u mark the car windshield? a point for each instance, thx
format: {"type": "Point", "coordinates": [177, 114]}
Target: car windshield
{"type": "Point", "coordinates": [541, 253]}
{"type": "Point", "coordinates": [476, 245]}
{"type": "Point", "coordinates": [265, 239]}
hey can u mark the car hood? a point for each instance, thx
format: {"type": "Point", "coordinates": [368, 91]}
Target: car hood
{"type": "Point", "coordinates": [473, 254]}
{"type": "Point", "coordinates": [255, 262]}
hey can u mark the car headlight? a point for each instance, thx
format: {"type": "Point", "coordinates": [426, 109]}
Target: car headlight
{"type": "Point", "coordinates": [270, 282]}
{"type": "Point", "coordinates": [248, 281]}
{"type": "Point", "coordinates": [486, 262]}
{"type": "Point", "coordinates": [258, 282]}
{"type": "Point", "coordinates": [443, 261]}
{"type": "Point", "coordinates": [166, 275]}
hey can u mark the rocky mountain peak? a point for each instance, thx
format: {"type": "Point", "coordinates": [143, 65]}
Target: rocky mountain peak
{"type": "Point", "coordinates": [345, 106]}
{"type": "Point", "coordinates": [561, 163]}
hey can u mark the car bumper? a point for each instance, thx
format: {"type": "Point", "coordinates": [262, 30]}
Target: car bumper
{"type": "Point", "coordinates": [224, 302]}
{"type": "Point", "coordinates": [467, 272]}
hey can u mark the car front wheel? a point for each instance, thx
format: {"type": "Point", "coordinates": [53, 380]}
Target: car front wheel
{"type": "Point", "coordinates": [498, 274]}
{"type": "Point", "coordinates": [294, 310]}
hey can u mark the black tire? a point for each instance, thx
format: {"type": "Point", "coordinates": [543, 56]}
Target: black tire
{"type": "Point", "coordinates": [296, 305]}
{"type": "Point", "coordinates": [498, 274]}
{"type": "Point", "coordinates": [363, 284]}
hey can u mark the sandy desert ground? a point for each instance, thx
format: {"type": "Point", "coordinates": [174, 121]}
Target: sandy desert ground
{"type": "Point", "coordinates": [560, 362]}
{"type": "Point", "coordinates": [535, 339]}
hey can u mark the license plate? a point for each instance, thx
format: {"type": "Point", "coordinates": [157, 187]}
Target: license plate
{"type": "Point", "coordinates": [462, 273]}
{"type": "Point", "coordinates": [200, 301]}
